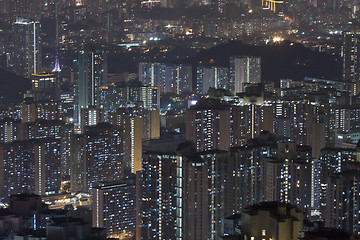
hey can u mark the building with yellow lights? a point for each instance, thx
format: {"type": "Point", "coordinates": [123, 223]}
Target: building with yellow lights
{"type": "Point", "coordinates": [271, 221]}
{"type": "Point", "coordinates": [275, 6]}
{"type": "Point", "coordinates": [46, 87]}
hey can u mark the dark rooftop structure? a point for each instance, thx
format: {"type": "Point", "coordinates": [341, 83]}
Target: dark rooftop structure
{"type": "Point", "coordinates": [323, 233]}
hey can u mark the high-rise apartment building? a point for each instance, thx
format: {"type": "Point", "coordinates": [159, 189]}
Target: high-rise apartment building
{"type": "Point", "coordinates": [151, 120]}
{"type": "Point", "coordinates": [129, 94]}
{"type": "Point", "coordinates": [91, 74]}
{"type": "Point", "coordinates": [97, 156]}
{"type": "Point", "coordinates": [248, 162]}
{"type": "Point", "coordinates": [13, 9]}
{"type": "Point", "coordinates": [203, 188]}
{"type": "Point", "coordinates": [168, 78]}
{"type": "Point", "coordinates": [208, 125]}
{"type": "Point", "coordinates": [185, 194]}
{"type": "Point", "coordinates": [332, 161]}
{"type": "Point", "coordinates": [267, 170]}
{"type": "Point", "coordinates": [159, 206]}
{"type": "Point", "coordinates": [46, 87]}
{"type": "Point", "coordinates": [248, 121]}
{"type": "Point", "coordinates": [91, 116]}
{"type": "Point", "coordinates": [150, 97]}
{"type": "Point", "coordinates": [351, 59]}
{"type": "Point", "coordinates": [42, 129]}
{"type": "Point", "coordinates": [31, 166]}
{"type": "Point", "coordinates": [26, 59]}
{"type": "Point", "coordinates": [182, 79]}
{"type": "Point", "coordinates": [203, 194]}
{"type": "Point", "coordinates": [138, 124]}
{"type": "Point", "coordinates": [32, 111]}
{"type": "Point", "coordinates": [111, 151]}
{"type": "Point", "coordinates": [342, 197]}
{"type": "Point", "coordinates": [301, 122]}
{"type": "Point", "coordinates": [211, 77]}
{"type": "Point", "coordinates": [152, 74]}
{"type": "Point", "coordinates": [244, 70]}
{"type": "Point", "coordinates": [295, 177]}
{"type": "Point", "coordinates": [114, 208]}
{"type": "Point", "coordinates": [133, 127]}
{"type": "Point", "coordinates": [10, 130]}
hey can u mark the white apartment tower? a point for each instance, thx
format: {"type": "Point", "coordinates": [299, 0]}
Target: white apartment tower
{"type": "Point", "coordinates": [244, 70]}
